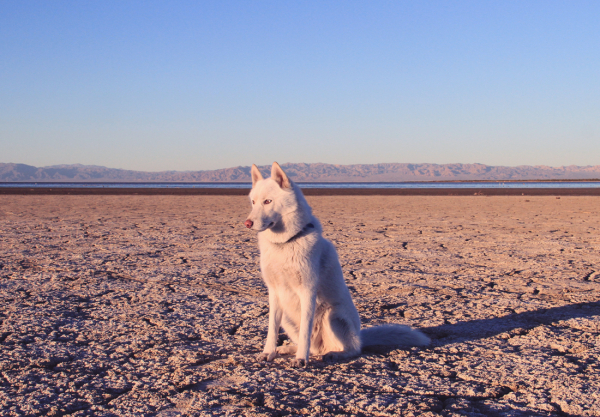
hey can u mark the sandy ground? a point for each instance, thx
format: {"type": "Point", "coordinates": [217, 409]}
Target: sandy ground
{"type": "Point", "coordinates": [153, 305]}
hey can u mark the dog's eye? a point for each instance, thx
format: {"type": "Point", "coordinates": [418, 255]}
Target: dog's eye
{"type": "Point", "coordinates": [252, 202]}
{"type": "Point", "coordinates": [268, 201]}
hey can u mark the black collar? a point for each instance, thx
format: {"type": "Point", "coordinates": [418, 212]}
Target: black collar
{"type": "Point", "coordinates": [301, 232]}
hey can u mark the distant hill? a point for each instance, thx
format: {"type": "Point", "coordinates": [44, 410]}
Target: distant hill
{"type": "Point", "coordinates": [303, 172]}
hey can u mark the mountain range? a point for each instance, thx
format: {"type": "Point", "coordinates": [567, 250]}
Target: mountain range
{"type": "Point", "coordinates": [301, 172]}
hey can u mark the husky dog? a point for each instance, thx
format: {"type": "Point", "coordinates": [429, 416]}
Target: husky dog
{"type": "Point", "coordinates": [307, 292]}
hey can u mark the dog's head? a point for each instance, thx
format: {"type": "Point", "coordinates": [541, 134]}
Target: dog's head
{"type": "Point", "coordinates": [271, 199]}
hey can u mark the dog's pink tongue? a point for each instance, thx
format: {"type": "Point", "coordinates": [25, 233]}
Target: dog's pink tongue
{"type": "Point", "coordinates": [248, 223]}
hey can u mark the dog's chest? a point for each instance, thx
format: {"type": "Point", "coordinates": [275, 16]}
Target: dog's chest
{"type": "Point", "coordinates": [285, 265]}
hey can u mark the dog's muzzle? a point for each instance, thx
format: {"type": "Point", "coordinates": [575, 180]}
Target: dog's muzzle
{"type": "Point", "coordinates": [248, 223]}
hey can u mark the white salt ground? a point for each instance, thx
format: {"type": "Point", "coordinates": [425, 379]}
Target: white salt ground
{"type": "Point", "coordinates": [133, 305]}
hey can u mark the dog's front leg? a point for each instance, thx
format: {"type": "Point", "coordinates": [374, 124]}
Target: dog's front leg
{"type": "Point", "coordinates": [308, 299]}
{"type": "Point", "coordinates": [275, 314]}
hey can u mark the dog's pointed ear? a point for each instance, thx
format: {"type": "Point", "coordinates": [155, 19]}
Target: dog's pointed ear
{"type": "Point", "coordinates": [279, 176]}
{"type": "Point", "coordinates": [256, 175]}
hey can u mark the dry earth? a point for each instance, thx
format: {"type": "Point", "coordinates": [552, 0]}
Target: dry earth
{"type": "Point", "coordinates": [153, 305]}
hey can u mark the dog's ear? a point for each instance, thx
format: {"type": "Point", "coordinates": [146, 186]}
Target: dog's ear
{"type": "Point", "coordinates": [256, 175]}
{"type": "Point", "coordinates": [279, 176]}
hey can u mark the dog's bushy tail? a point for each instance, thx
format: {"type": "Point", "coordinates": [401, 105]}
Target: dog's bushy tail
{"type": "Point", "coordinates": [392, 335]}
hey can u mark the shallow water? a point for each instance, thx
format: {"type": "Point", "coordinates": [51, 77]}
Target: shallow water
{"type": "Point", "coordinates": [409, 185]}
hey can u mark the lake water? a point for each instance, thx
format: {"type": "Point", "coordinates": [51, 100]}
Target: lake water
{"type": "Point", "coordinates": [449, 184]}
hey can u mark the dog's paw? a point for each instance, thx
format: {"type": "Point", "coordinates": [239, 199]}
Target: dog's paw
{"type": "Point", "coordinates": [299, 363]}
{"type": "Point", "coordinates": [331, 357]}
{"type": "Point", "coordinates": [266, 357]}
{"type": "Point", "coordinates": [287, 350]}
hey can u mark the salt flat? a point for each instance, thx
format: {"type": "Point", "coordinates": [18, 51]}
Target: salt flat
{"type": "Point", "coordinates": [153, 305]}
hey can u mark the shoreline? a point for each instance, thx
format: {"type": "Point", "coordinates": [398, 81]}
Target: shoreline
{"type": "Point", "coordinates": [310, 191]}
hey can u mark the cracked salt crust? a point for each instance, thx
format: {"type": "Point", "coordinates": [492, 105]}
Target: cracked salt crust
{"type": "Point", "coordinates": [141, 305]}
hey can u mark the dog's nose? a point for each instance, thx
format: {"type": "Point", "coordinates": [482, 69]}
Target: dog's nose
{"type": "Point", "coordinates": [249, 223]}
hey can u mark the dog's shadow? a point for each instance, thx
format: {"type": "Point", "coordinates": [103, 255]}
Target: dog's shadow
{"type": "Point", "coordinates": [515, 323]}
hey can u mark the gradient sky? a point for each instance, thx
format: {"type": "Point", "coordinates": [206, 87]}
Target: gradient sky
{"type": "Point", "coordinates": [194, 85]}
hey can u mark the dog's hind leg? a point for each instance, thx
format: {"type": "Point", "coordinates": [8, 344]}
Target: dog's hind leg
{"type": "Point", "coordinates": [340, 340]}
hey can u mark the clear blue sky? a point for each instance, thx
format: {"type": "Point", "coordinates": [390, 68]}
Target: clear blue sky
{"type": "Point", "coordinates": [193, 85]}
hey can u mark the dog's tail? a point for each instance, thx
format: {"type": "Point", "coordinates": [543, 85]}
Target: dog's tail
{"type": "Point", "coordinates": [392, 335]}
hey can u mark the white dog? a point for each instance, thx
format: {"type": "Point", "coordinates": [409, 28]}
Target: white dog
{"type": "Point", "coordinates": [307, 292]}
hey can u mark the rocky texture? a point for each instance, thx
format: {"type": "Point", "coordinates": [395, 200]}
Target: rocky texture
{"type": "Point", "coordinates": [305, 172]}
{"type": "Point", "coordinates": [149, 305]}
